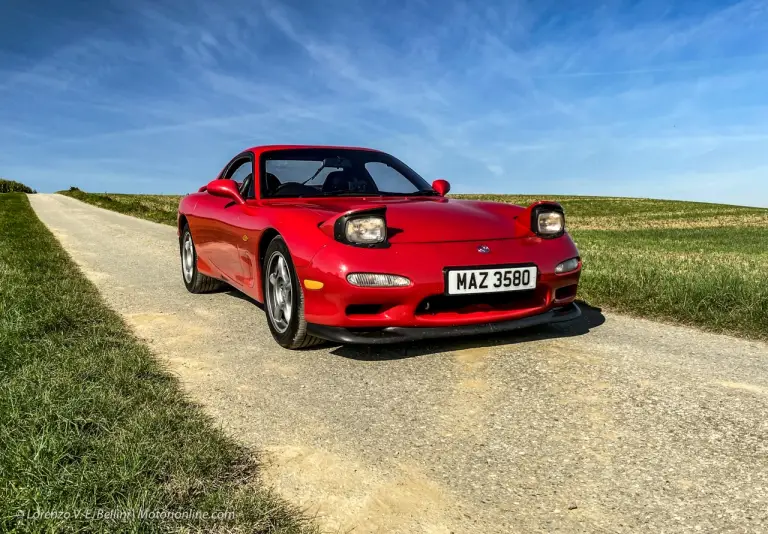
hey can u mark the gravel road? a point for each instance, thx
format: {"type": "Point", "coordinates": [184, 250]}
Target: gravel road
{"type": "Point", "coordinates": [612, 424]}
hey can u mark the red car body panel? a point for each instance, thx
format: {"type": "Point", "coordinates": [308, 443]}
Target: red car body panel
{"type": "Point", "coordinates": [426, 235]}
{"type": "Point", "coordinates": [423, 264]}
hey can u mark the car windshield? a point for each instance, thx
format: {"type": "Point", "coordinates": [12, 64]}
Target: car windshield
{"type": "Point", "coordinates": [319, 172]}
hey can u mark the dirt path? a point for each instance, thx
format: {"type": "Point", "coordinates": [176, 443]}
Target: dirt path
{"type": "Point", "coordinates": [610, 425]}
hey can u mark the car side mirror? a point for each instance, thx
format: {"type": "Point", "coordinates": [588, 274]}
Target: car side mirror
{"type": "Point", "coordinates": [226, 189]}
{"type": "Point", "coordinates": [441, 186]}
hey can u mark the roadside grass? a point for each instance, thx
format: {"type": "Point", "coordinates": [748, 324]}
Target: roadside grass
{"type": "Point", "coordinates": [90, 421]}
{"type": "Point", "coordinates": [692, 263]}
{"type": "Point", "coordinates": [710, 277]}
{"type": "Point", "coordinates": [157, 208]}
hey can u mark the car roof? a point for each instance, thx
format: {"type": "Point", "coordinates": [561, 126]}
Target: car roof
{"type": "Point", "coordinates": [268, 148]}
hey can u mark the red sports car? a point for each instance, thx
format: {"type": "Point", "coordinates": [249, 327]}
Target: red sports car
{"type": "Point", "coordinates": [351, 245]}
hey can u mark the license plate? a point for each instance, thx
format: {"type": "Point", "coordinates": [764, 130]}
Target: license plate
{"type": "Point", "coordinates": [490, 280]}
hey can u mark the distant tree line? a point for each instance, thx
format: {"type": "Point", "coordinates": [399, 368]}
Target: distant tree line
{"type": "Point", "coordinates": [9, 186]}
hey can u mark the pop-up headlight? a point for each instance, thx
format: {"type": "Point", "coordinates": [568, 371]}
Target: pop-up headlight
{"type": "Point", "coordinates": [548, 220]}
{"type": "Point", "coordinates": [366, 228]}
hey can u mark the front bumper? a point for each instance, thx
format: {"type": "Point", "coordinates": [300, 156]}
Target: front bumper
{"type": "Point", "coordinates": [397, 334]}
{"type": "Point", "coordinates": [423, 304]}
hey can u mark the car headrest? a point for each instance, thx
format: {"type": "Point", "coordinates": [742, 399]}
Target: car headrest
{"type": "Point", "coordinates": [348, 180]}
{"type": "Point", "coordinates": [272, 183]}
{"type": "Point", "coordinates": [337, 181]}
{"type": "Point", "coordinates": [246, 187]}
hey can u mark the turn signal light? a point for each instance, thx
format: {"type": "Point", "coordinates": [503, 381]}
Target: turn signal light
{"type": "Point", "coordinates": [567, 266]}
{"type": "Point", "coordinates": [377, 280]}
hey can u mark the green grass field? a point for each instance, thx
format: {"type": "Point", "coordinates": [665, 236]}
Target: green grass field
{"type": "Point", "coordinates": [89, 420]}
{"type": "Point", "coordinates": [685, 262]}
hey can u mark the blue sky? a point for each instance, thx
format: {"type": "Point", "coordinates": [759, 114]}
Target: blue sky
{"type": "Point", "coordinates": [651, 99]}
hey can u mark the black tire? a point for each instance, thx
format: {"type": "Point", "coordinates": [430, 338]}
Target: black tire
{"type": "Point", "coordinates": [197, 282]}
{"type": "Point", "coordinates": [292, 334]}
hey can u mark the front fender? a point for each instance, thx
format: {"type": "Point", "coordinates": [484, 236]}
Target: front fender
{"type": "Point", "coordinates": [187, 205]}
{"type": "Point", "coordinates": [299, 229]}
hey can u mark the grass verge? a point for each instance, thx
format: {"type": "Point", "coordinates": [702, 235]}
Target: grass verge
{"type": "Point", "coordinates": [691, 263]}
{"type": "Point", "coordinates": [157, 208]}
{"type": "Point", "coordinates": [708, 277]}
{"type": "Point", "coordinates": [90, 421]}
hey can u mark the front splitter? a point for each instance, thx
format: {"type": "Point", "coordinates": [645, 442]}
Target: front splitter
{"type": "Point", "coordinates": [398, 334]}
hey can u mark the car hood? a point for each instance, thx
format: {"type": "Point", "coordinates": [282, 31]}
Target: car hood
{"type": "Point", "coordinates": [429, 220]}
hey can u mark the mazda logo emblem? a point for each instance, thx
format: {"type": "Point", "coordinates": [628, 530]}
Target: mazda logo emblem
{"type": "Point", "coordinates": [483, 249]}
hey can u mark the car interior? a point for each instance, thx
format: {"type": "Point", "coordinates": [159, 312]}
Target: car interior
{"type": "Point", "coordinates": [348, 180]}
{"type": "Point", "coordinates": [246, 187]}
{"type": "Point", "coordinates": [344, 180]}
{"type": "Point", "coordinates": [335, 176]}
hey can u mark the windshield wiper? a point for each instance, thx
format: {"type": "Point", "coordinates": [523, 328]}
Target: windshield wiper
{"type": "Point", "coordinates": [350, 194]}
{"type": "Point", "coordinates": [424, 193]}
{"type": "Point", "coordinates": [379, 194]}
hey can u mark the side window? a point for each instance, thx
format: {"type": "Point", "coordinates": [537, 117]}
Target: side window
{"type": "Point", "coordinates": [241, 172]}
{"type": "Point", "coordinates": [243, 175]}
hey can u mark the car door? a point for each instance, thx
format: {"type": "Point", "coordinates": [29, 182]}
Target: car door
{"type": "Point", "coordinates": [220, 220]}
{"type": "Point", "coordinates": [232, 223]}
{"type": "Point", "coordinates": [211, 242]}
